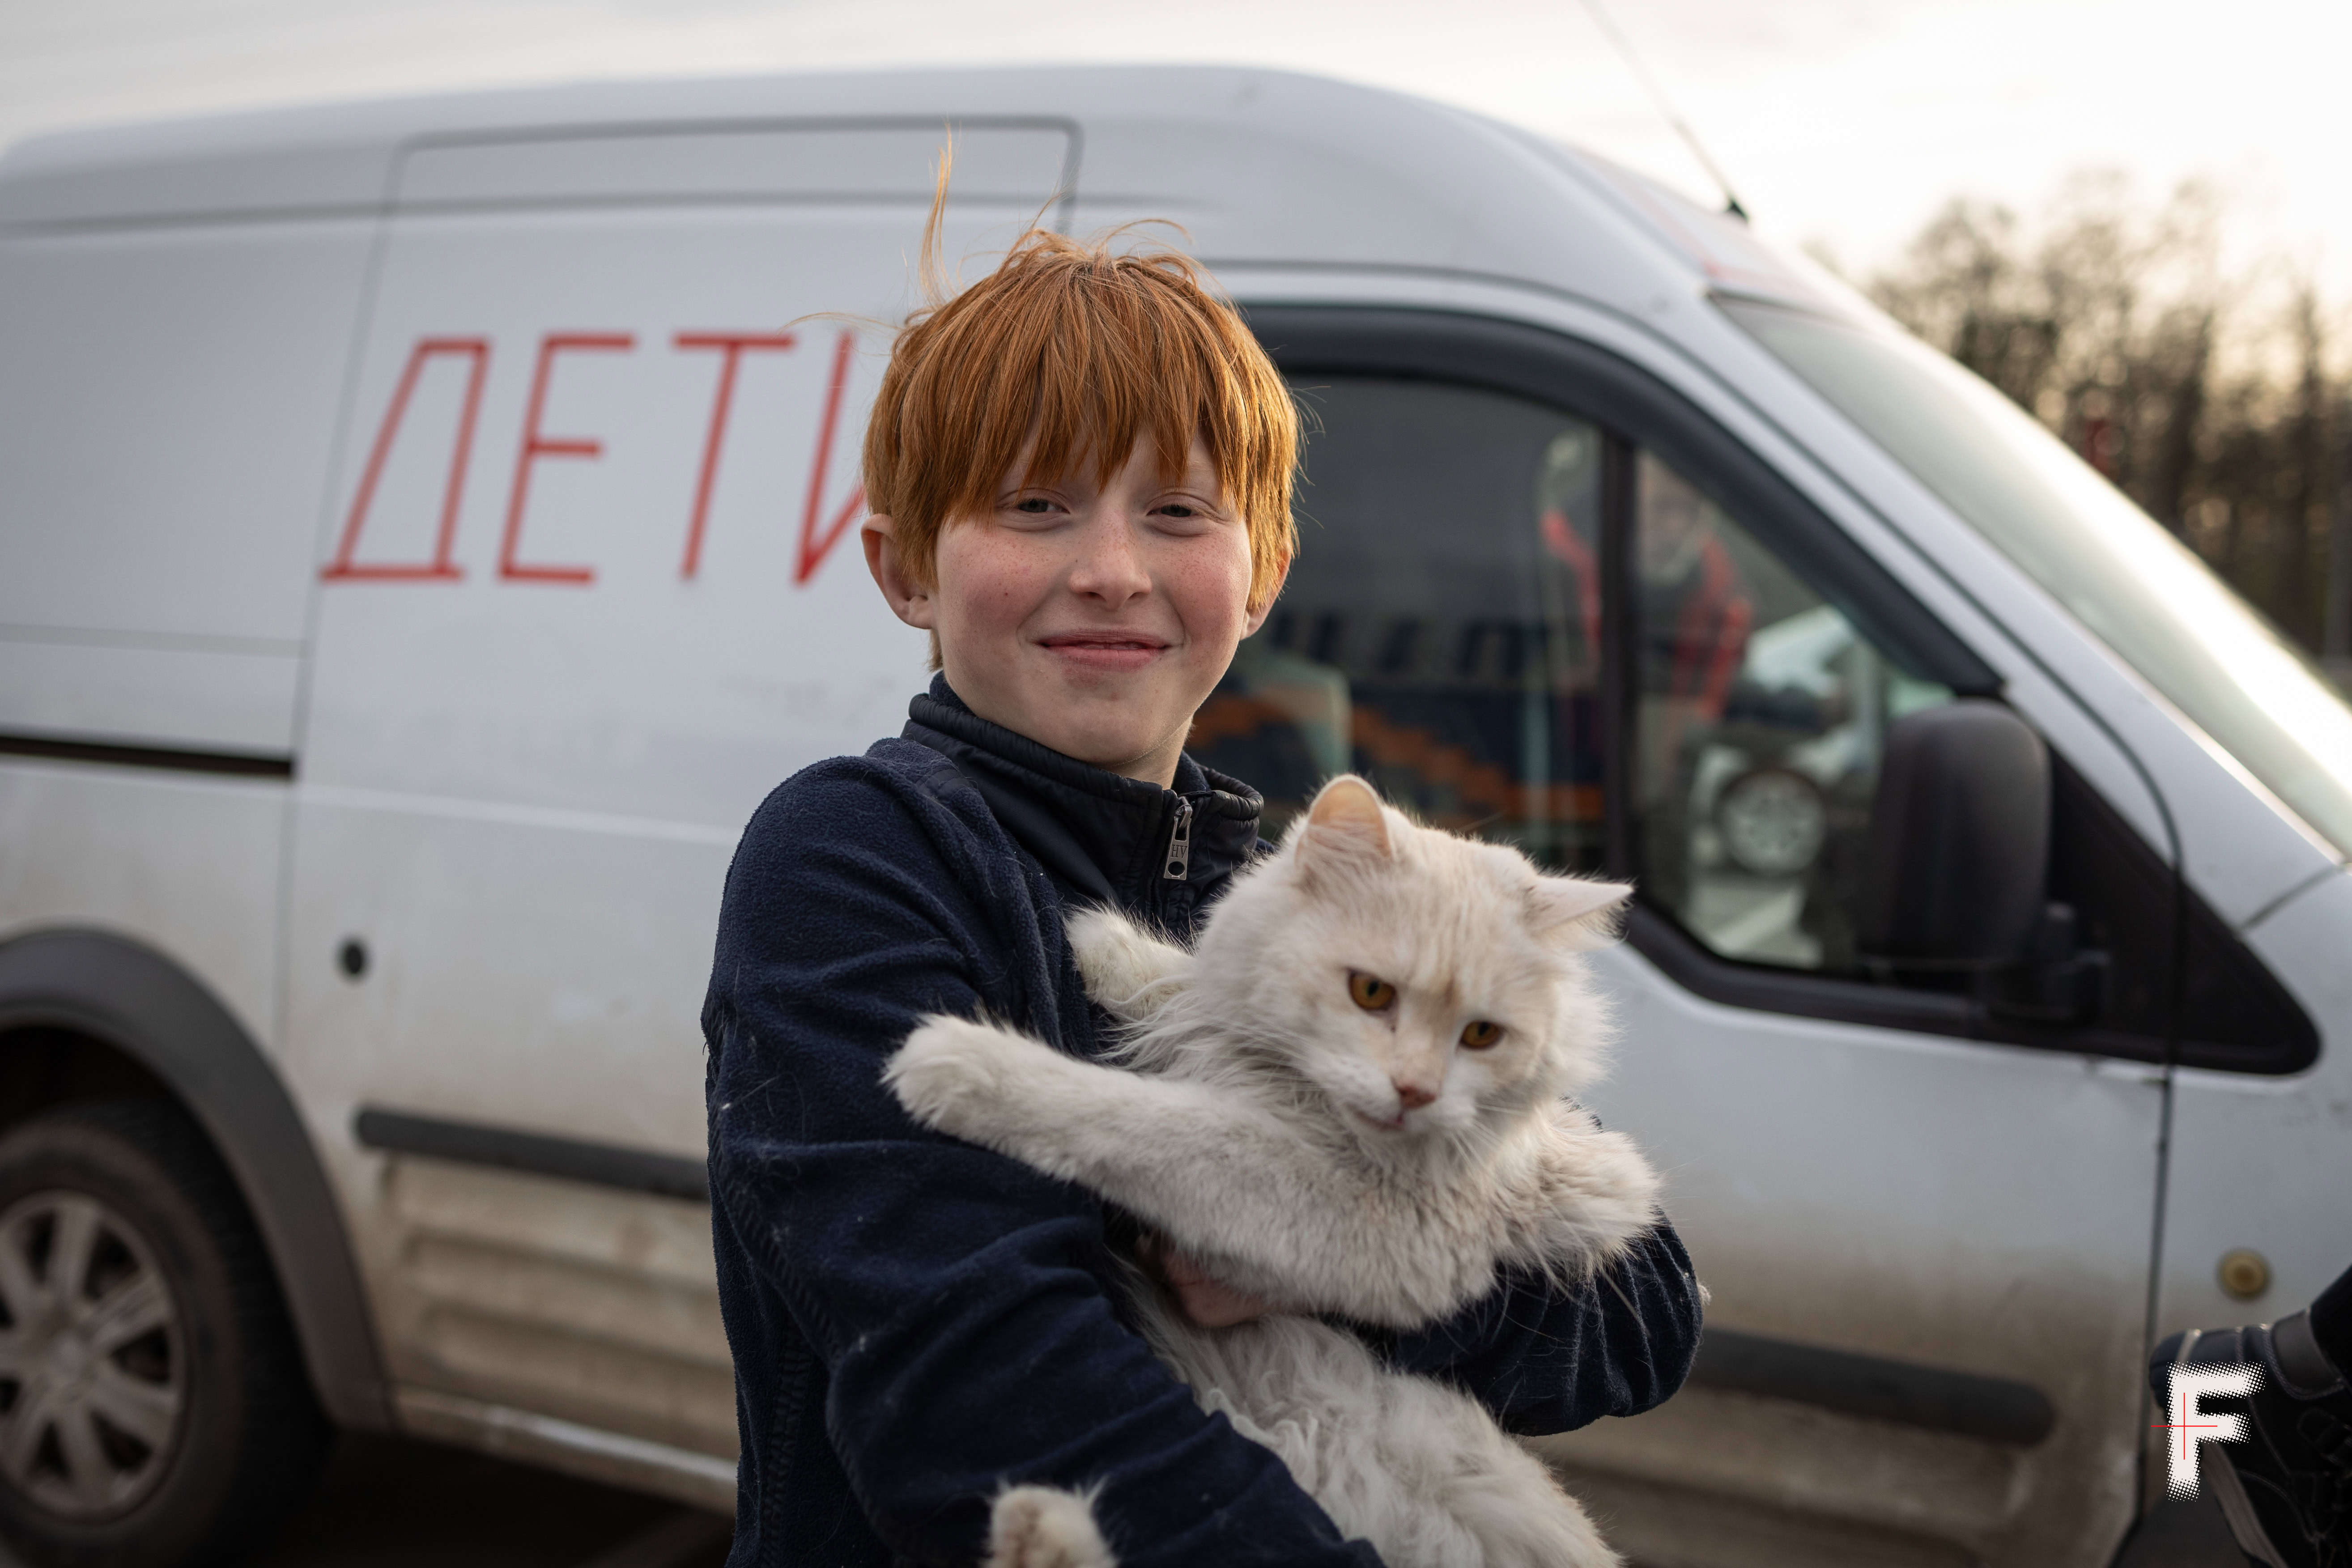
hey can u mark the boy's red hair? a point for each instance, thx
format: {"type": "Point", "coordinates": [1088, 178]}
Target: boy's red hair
{"type": "Point", "coordinates": [1093, 350]}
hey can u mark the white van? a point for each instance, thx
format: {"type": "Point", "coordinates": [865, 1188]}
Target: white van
{"type": "Point", "coordinates": [422, 541]}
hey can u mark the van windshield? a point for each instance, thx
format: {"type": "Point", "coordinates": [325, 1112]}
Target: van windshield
{"type": "Point", "coordinates": [2126, 578]}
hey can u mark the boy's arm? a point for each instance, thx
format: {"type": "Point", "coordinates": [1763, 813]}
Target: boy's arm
{"type": "Point", "coordinates": [953, 1296]}
{"type": "Point", "coordinates": [1550, 1358]}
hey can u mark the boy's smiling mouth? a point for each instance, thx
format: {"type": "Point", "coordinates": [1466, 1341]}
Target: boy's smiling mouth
{"type": "Point", "coordinates": [1110, 652]}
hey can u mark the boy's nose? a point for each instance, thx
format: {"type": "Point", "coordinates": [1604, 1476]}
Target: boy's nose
{"type": "Point", "coordinates": [1109, 568]}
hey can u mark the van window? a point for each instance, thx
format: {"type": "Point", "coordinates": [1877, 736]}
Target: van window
{"type": "Point", "coordinates": [1440, 631]}
{"type": "Point", "coordinates": [2127, 580]}
{"type": "Point", "coordinates": [1441, 634]}
{"type": "Point", "coordinates": [1758, 718]}
{"type": "Point", "coordinates": [1476, 503]}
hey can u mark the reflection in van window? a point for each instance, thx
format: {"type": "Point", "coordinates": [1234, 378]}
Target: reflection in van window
{"type": "Point", "coordinates": [1440, 631]}
{"type": "Point", "coordinates": [1759, 717]}
{"type": "Point", "coordinates": [2128, 580]}
{"type": "Point", "coordinates": [1440, 635]}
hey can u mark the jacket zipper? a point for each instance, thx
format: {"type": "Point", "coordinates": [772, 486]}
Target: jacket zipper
{"type": "Point", "coordinates": [1180, 843]}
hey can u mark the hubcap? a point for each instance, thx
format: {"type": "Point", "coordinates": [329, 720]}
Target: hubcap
{"type": "Point", "coordinates": [93, 1375]}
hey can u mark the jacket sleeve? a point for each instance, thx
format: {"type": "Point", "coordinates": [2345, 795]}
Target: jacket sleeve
{"type": "Point", "coordinates": [1549, 1358]}
{"type": "Point", "coordinates": [954, 1297]}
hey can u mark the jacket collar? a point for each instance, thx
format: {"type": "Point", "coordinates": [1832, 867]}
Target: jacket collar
{"type": "Point", "coordinates": [1102, 837]}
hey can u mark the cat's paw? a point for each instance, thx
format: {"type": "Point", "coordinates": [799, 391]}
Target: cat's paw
{"type": "Point", "coordinates": [1122, 966]}
{"type": "Point", "coordinates": [953, 1071]}
{"type": "Point", "coordinates": [1040, 1526]}
{"type": "Point", "coordinates": [1601, 1193]}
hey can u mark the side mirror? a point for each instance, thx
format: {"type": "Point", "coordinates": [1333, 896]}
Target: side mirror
{"type": "Point", "coordinates": [1959, 840]}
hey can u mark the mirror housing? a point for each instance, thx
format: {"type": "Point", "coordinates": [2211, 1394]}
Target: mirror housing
{"type": "Point", "coordinates": [1959, 840]}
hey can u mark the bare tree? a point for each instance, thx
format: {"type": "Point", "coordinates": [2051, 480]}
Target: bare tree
{"type": "Point", "coordinates": [2112, 321]}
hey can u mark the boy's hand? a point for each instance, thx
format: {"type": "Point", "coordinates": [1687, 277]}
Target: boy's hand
{"type": "Point", "coordinates": [1208, 1301]}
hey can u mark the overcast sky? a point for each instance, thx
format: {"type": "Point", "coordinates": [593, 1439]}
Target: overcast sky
{"type": "Point", "coordinates": [1846, 122]}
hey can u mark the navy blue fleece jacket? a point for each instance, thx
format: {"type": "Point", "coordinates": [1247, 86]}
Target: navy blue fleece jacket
{"type": "Point", "coordinates": [915, 1320]}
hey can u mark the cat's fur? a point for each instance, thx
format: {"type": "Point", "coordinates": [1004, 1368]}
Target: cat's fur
{"type": "Point", "coordinates": [1314, 1151]}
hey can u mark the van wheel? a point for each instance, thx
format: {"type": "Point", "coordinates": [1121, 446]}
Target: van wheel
{"type": "Point", "coordinates": [153, 1408]}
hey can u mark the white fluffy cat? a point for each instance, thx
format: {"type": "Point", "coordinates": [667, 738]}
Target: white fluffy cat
{"type": "Point", "coordinates": [1349, 1098]}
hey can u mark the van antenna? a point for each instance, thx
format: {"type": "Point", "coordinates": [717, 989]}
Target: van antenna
{"type": "Point", "coordinates": [1624, 48]}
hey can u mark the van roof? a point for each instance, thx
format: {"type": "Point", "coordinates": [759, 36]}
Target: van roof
{"type": "Point", "coordinates": [1262, 168]}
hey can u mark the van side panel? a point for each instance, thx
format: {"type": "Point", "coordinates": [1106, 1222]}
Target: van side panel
{"type": "Point", "coordinates": [168, 396]}
{"type": "Point", "coordinates": [182, 865]}
{"type": "Point", "coordinates": [2264, 1165]}
{"type": "Point", "coordinates": [167, 399]}
{"type": "Point", "coordinates": [275, 161]}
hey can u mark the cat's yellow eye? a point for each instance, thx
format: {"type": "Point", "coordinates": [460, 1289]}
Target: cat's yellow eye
{"type": "Point", "coordinates": [1481, 1034]}
{"type": "Point", "coordinates": [1370, 993]}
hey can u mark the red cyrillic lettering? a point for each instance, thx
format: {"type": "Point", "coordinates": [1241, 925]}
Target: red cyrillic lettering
{"type": "Point", "coordinates": [814, 546]}
{"type": "Point", "coordinates": [536, 445]}
{"type": "Point", "coordinates": [440, 568]}
{"type": "Point", "coordinates": [731, 346]}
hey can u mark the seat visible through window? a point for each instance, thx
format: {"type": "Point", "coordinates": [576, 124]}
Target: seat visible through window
{"type": "Point", "coordinates": [1441, 629]}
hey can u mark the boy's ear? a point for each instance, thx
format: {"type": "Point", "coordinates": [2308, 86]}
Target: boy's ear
{"type": "Point", "coordinates": [910, 601]}
{"type": "Point", "coordinates": [1257, 616]}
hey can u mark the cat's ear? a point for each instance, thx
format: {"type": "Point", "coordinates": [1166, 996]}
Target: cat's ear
{"type": "Point", "coordinates": [1345, 820]}
{"type": "Point", "coordinates": [1575, 913]}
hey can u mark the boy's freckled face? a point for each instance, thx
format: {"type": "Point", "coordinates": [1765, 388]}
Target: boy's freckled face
{"type": "Point", "coordinates": [1097, 619]}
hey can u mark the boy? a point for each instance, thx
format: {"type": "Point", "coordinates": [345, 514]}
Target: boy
{"type": "Point", "coordinates": [1080, 470]}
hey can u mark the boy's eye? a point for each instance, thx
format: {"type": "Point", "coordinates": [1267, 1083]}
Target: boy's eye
{"type": "Point", "coordinates": [1480, 1035]}
{"type": "Point", "coordinates": [1370, 993]}
{"type": "Point", "coordinates": [1033, 504]}
{"type": "Point", "coordinates": [1180, 509]}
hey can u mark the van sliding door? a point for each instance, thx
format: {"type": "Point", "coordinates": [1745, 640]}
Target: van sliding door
{"type": "Point", "coordinates": [591, 587]}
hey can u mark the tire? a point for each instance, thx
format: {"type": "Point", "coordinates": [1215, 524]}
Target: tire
{"type": "Point", "coordinates": [154, 1412]}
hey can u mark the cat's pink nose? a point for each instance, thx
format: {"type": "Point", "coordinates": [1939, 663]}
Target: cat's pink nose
{"type": "Point", "coordinates": [1411, 1096]}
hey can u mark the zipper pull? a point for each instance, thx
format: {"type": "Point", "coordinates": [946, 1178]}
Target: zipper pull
{"type": "Point", "coordinates": [1179, 842]}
